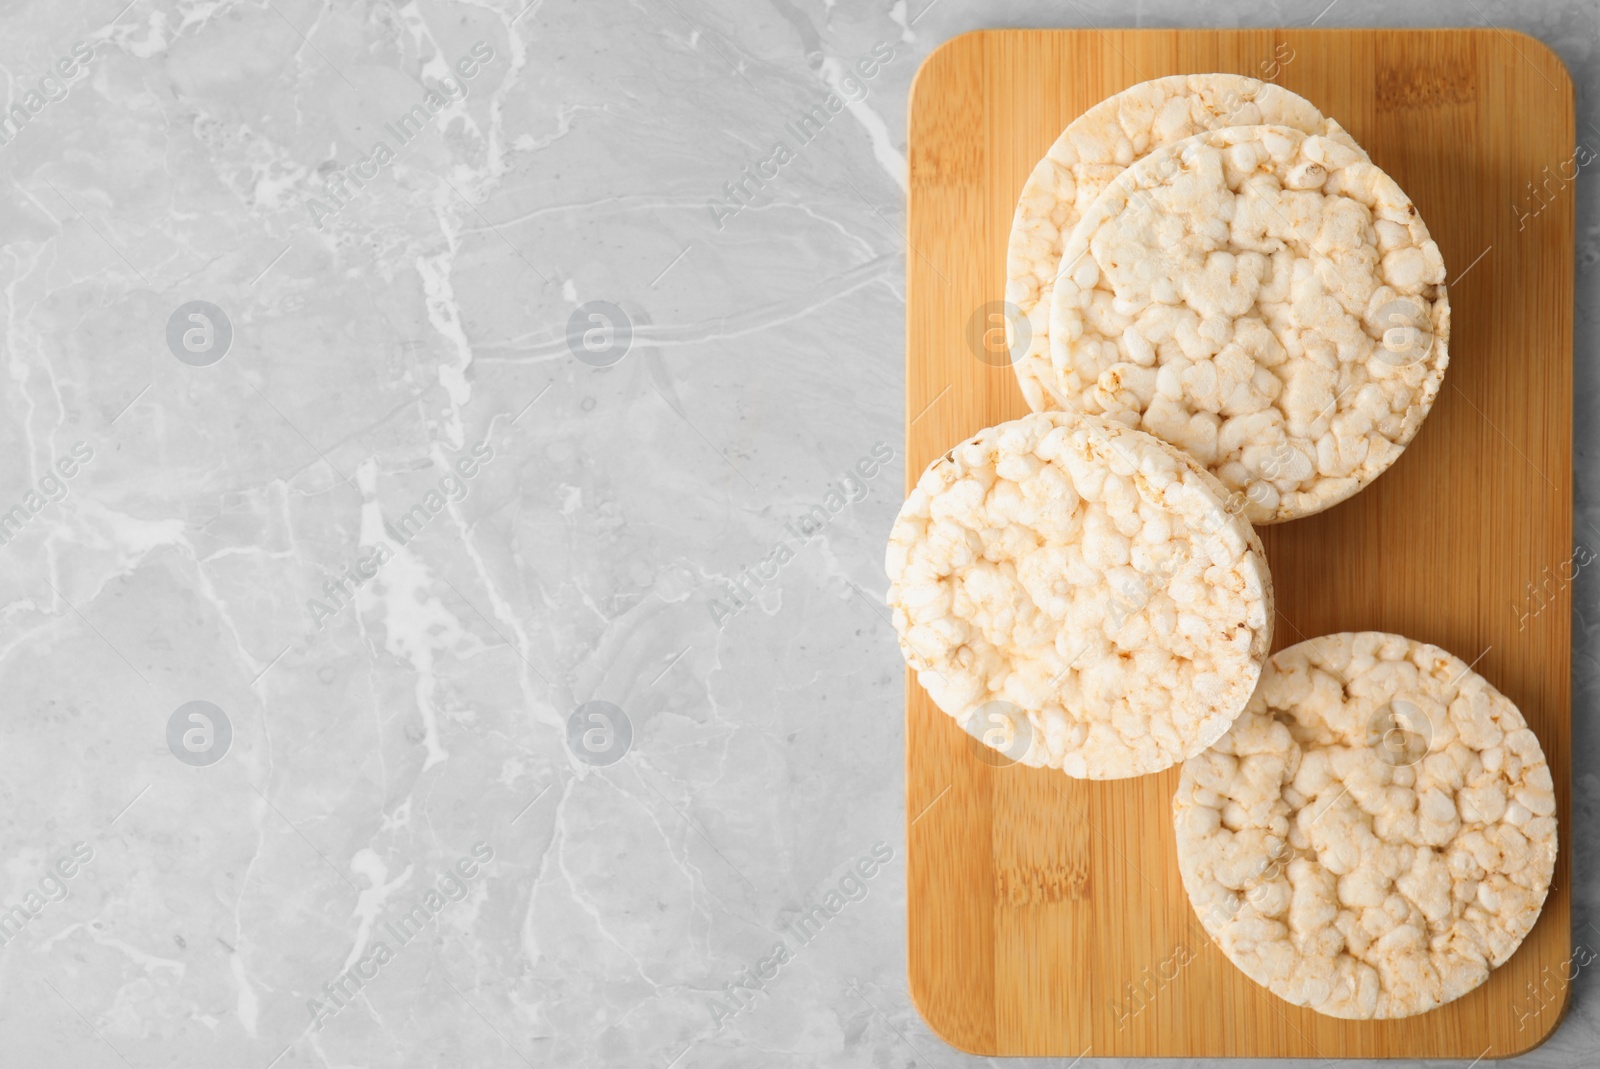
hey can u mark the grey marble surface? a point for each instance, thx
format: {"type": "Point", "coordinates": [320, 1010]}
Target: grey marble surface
{"type": "Point", "coordinates": [472, 430]}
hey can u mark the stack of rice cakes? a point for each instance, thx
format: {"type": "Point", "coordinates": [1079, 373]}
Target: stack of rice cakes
{"type": "Point", "coordinates": [1234, 318]}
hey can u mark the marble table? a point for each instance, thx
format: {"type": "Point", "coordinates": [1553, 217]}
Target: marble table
{"type": "Point", "coordinates": [448, 459]}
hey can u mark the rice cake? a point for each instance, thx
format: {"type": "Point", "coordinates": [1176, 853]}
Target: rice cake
{"type": "Point", "coordinates": [1374, 834]}
{"type": "Point", "coordinates": [1090, 578]}
{"type": "Point", "coordinates": [1269, 301]}
{"type": "Point", "coordinates": [1096, 147]}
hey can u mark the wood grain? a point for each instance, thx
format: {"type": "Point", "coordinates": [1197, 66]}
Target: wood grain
{"type": "Point", "coordinates": [1046, 915]}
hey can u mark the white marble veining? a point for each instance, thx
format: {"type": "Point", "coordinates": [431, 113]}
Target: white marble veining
{"type": "Point", "coordinates": [531, 374]}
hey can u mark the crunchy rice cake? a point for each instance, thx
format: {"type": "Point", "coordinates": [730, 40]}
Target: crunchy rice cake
{"type": "Point", "coordinates": [1096, 147]}
{"type": "Point", "coordinates": [1374, 834]}
{"type": "Point", "coordinates": [1267, 300]}
{"type": "Point", "coordinates": [1090, 577]}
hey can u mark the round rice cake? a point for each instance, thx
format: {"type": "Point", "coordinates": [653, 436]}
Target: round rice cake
{"type": "Point", "coordinates": [1092, 581]}
{"type": "Point", "coordinates": [1374, 834]}
{"type": "Point", "coordinates": [1096, 147]}
{"type": "Point", "coordinates": [1267, 300]}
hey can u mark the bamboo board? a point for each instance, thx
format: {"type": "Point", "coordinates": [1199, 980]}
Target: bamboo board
{"type": "Point", "coordinates": [1035, 902]}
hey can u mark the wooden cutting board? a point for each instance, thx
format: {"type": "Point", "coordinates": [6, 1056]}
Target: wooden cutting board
{"type": "Point", "coordinates": [1046, 915]}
